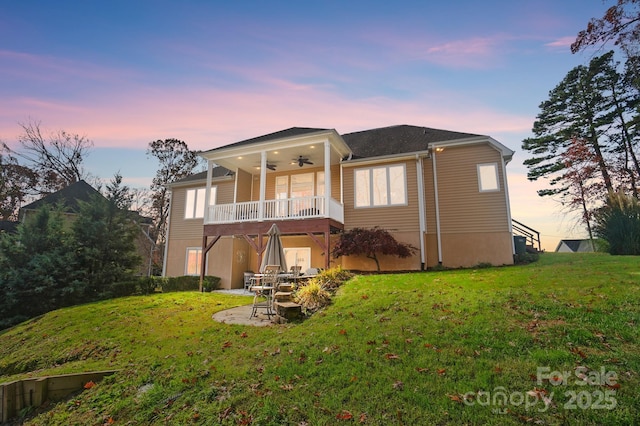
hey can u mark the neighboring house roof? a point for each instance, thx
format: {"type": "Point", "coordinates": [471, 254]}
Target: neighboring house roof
{"type": "Point", "coordinates": [9, 226]}
{"type": "Point", "coordinates": [575, 246]}
{"type": "Point", "coordinates": [398, 140]}
{"type": "Point", "coordinates": [68, 197]}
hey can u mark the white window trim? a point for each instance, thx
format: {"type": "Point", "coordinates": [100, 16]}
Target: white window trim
{"type": "Point", "coordinates": [497, 177]}
{"type": "Point", "coordinates": [186, 260]}
{"type": "Point", "coordinates": [371, 197]}
{"type": "Point", "coordinates": [193, 207]}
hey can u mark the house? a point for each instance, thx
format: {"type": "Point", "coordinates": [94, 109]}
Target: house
{"type": "Point", "coordinates": [69, 199]}
{"type": "Point", "coordinates": [8, 226]}
{"type": "Point", "coordinates": [444, 192]}
{"type": "Point", "coordinates": [575, 246]}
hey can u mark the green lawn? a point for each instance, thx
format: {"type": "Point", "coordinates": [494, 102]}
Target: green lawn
{"type": "Point", "coordinates": [421, 348]}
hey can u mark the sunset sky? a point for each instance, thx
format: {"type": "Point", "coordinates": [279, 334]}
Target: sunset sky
{"type": "Point", "coordinates": [125, 72]}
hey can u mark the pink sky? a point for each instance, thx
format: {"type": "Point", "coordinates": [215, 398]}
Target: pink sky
{"type": "Point", "coordinates": [213, 74]}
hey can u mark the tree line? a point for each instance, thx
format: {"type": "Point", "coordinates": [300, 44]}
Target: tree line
{"type": "Point", "coordinates": [46, 162]}
{"type": "Point", "coordinates": [586, 135]}
{"type": "Point", "coordinates": [55, 259]}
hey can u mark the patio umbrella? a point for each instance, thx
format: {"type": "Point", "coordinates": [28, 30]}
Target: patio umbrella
{"type": "Point", "coordinates": [274, 252]}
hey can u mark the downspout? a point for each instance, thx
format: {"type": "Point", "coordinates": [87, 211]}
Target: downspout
{"type": "Point", "coordinates": [207, 202]}
{"type": "Point", "coordinates": [421, 210]}
{"type": "Point", "coordinates": [506, 197]}
{"type": "Point", "coordinates": [437, 205]}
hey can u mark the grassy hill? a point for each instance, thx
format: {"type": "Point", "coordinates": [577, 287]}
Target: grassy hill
{"type": "Point", "coordinates": [420, 348]}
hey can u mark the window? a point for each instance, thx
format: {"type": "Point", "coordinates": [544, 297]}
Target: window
{"type": "Point", "coordinates": [488, 177]}
{"type": "Point", "coordinates": [194, 261]}
{"type": "Point", "coordinates": [194, 206]}
{"type": "Point", "coordinates": [380, 186]}
{"type": "Point", "coordinates": [298, 256]}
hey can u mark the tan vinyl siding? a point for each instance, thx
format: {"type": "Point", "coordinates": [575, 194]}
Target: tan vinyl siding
{"type": "Point", "coordinates": [224, 191]}
{"type": "Point", "coordinates": [463, 208]}
{"type": "Point", "coordinates": [244, 186]}
{"type": "Point", "coordinates": [391, 218]}
{"type": "Point", "coordinates": [179, 227]}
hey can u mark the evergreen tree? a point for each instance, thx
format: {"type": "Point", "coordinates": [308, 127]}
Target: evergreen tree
{"type": "Point", "coordinates": [578, 108]}
{"type": "Point", "coordinates": [105, 246]}
{"type": "Point", "coordinates": [36, 268]}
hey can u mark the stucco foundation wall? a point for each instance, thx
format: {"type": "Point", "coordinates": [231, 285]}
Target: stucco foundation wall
{"type": "Point", "coordinates": [219, 261]}
{"type": "Point", "coordinates": [388, 263]}
{"type": "Point", "coordinates": [177, 254]}
{"type": "Point", "coordinates": [223, 260]}
{"type": "Point", "coordinates": [467, 250]}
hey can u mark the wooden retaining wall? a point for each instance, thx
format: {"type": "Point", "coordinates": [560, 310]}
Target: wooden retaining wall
{"type": "Point", "coordinates": [14, 396]}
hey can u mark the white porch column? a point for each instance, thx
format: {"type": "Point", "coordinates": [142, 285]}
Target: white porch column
{"type": "Point", "coordinates": [263, 184]}
{"type": "Point", "coordinates": [327, 178]}
{"type": "Point", "coordinates": [207, 195]}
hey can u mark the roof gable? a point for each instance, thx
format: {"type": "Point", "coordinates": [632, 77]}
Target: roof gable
{"type": "Point", "coordinates": [287, 133]}
{"type": "Point", "coordinates": [398, 140]}
{"type": "Point", "coordinates": [68, 197]}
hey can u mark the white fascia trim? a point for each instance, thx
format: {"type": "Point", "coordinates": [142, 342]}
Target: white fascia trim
{"type": "Point", "coordinates": [506, 152]}
{"type": "Point", "coordinates": [337, 143]}
{"type": "Point", "coordinates": [195, 182]}
{"type": "Point", "coordinates": [386, 158]}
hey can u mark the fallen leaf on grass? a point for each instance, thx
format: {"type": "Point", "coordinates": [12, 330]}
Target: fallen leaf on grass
{"type": "Point", "coordinates": [391, 356]}
{"type": "Point", "coordinates": [89, 385]}
{"type": "Point", "coordinates": [226, 344]}
{"type": "Point", "coordinates": [244, 334]}
{"type": "Point", "coordinates": [343, 332]}
{"type": "Point", "coordinates": [442, 372]}
{"type": "Point", "coordinates": [422, 370]}
{"type": "Point", "coordinates": [344, 415]}
{"type": "Point", "coordinates": [455, 398]}
{"type": "Point", "coordinates": [398, 385]}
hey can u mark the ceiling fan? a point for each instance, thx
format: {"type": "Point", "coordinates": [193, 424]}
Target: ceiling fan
{"type": "Point", "coordinates": [301, 161]}
{"type": "Point", "coordinates": [270, 166]}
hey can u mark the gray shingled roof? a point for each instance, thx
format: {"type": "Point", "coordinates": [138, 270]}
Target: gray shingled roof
{"type": "Point", "coordinates": [215, 173]}
{"type": "Point", "coordinates": [291, 132]}
{"type": "Point", "coordinates": [8, 226]}
{"type": "Point", "coordinates": [68, 197]}
{"type": "Point", "coordinates": [397, 140]}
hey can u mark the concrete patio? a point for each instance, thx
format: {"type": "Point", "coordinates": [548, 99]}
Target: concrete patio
{"type": "Point", "coordinates": [240, 315]}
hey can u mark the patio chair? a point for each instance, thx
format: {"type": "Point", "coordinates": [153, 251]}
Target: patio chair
{"type": "Point", "coordinates": [295, 272]}
{"type": "Point", "coordinates": [265, 286]}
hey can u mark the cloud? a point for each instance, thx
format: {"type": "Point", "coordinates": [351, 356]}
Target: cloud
{"type": "Point", "coordinates": [563, 43]}
{"type": "Point", "coordinates": [477, 52]}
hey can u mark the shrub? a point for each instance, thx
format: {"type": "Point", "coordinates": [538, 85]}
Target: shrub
{"type": "Point", "coordinates": [332, 279]}
{"type": "Point", "coordinates": [525, 258]}
{"type": "Point", "coordinates": [148, 285]}
{"type": "Point", "coordinates": [618, 223]}
{"type": "Point", "coordinates": [121, 289]}
{"type": "Point", "coordinates": [312, 296]}
{"type": "Point", "coordinates": [211, 283]}
{"type": "Point", "coordinates": [189, 283]}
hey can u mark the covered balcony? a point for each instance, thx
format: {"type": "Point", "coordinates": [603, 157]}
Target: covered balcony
{"type": "Point", "coordinates": [276, 210]}
{"type": "Point", "coordinates": [292, 177]}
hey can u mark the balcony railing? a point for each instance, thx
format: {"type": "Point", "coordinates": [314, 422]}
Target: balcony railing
{"type": "Point", "coordinates": [285, 209]}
